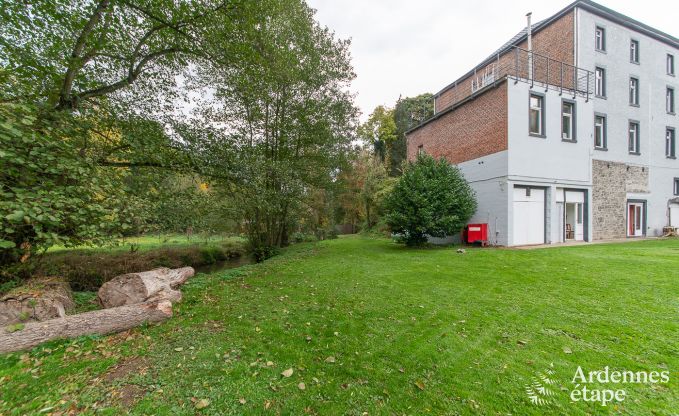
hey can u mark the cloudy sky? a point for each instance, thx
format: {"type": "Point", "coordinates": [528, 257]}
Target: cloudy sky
{"type": "Point", "coordinates": [407, 47]}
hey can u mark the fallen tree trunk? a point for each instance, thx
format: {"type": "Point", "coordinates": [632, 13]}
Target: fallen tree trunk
{"type": "Point", "coordinates": [132, 288]}
{"type": "Point", "coordinates": [37, 300]}
{"type": "Point", "coordinates": [101, 322]}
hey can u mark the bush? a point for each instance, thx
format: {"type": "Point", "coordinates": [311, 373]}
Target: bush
{"type": "Point", "coordinates": [300, 237]}
{"type": "Point", "coordinates": [261, 252]}
{"type": "Point", "coordinates": [432, 198]}
{"type": "Point", "coordinates": [87, 270]}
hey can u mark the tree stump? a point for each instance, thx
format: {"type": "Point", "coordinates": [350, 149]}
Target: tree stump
{"type": "Point", "coordinates": [133, 288]}
{"type": "Point", "coordinates": [37, 300]}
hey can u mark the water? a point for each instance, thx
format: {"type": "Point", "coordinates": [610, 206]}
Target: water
{"type": "Point", "coordinates": [225, 265]}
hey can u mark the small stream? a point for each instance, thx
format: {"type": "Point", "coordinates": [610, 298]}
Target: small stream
{"type": "Point", "coordinates": [225, 264]}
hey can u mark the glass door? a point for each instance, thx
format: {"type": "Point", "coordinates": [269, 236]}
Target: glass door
{"type": "Point", "coordinates": [635, 219]}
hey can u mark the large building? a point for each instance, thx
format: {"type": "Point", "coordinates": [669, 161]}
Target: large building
{"type": "Point", "coordinates": [567, 132]}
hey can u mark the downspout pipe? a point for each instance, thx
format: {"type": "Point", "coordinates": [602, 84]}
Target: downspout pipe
{"type": "Point", "coordinates": [529, 34]}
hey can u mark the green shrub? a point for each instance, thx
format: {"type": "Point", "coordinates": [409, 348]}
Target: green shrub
{"type": "Point", "coordinates": [261, 253]}
{"type": "Point", "coordinates": [300, 237]}
{"type": "Point", "coordinates": [88, 270]}
{"type": "Point", "coordinates": [432, 198]}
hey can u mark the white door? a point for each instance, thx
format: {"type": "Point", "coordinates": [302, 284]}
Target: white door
{"type": "Point", "coordinates": [674, 215]}
{"type": "Point", "coordinates": [529, 216]}
{"type": "Point", "coordinates": [579, 225]}
{"type": "Point", "coordinates": [635, 219]}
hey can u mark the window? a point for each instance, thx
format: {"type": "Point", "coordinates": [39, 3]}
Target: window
{"type": "Point", "coordinates": [600, 132]}
{"type": "Point", "coordinates": [670, 64]}
{"type": "Point", "coordinates": [634, 91]}
{"type": "Point", "coordinates": [634, 51]}
{"type": "Point", "coordinates": [420, 150]}
{"type": "Point", "coordinates": [580, 213]}
{"type": "Point", "coordinates": [600, 39]}
{"type": "Point", "coordinates": [670, 143]}
{"type": "Point", "coordinates": [537, 115]}
{"type": "Point", "coordinates": [600, 82]}
{"type": "Point", "coordinates": [669, 100]}
{"type": "Point", "coordinates": [634, 137]}
{"type": "Point", "coordinates": [676, 186]}
{"type": "Point", "coordinates": [568, 120]}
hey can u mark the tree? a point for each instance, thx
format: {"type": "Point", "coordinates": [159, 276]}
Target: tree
{"type": "Point", "coordinates": [290, 117]}
{"type": "Point", "coordinates": [380, 131]}
{"type": "Point", "coordinates": [365, 184]}
{"type": "Point", "coordinates": [408, 113]}
{"type": "Point", "coordinates": [431, 198]}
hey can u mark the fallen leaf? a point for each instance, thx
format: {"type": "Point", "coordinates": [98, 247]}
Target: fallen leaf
{"type": "Point", "coordinates": [330, 359]}
{"type": "Point", "coordinates": [301, 386]}
{"type": "Point", "coordinates": [202, 404]}
{"type": "Point", "coordinates": [522, 342]}
{"type": "Point", "coordinates": [419, 384]}
{"type": "Point", "coordinates": [242, 400]}
{"type": "Point", "coordinates": [178, 349]}
{"type": "Point", "coordinates": [567, 350]}
{"type": "Point", "coordinates": [269, 363]}
{"type": "Point", "coordinates": [288, 372]}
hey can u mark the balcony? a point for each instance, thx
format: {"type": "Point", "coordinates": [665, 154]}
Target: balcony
{"type": "Point", "coordinates": [520, 65]}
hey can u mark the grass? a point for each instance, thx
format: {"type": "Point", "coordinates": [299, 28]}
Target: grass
{"type": "Point", "coordinates": [409, 331]}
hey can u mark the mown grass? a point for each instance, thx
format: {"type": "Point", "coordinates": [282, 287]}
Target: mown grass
{"type": "Point", "coordinates": [409, 331]}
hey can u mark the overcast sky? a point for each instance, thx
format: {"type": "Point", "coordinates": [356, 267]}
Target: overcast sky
{"type": "Point", "coordinates": [408, 47]}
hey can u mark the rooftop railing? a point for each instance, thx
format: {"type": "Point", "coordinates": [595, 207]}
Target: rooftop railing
{"type": "Point", "coordinates": [521, 65]}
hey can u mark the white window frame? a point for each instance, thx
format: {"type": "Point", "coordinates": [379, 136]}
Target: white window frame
{"type": "Point", "coordinates": [634, 91]}
{"type": "Point", "coordinates": [570, 136]}
{"type": "Point", "coordinates": [600, 82]}
{"type": "Point", "coordinates": [541, 114]}
{"type": "Point", "coordinates": [633, 142]}
{"type": "Point", "coordinates": [602, 126]}
{"type": "Point", "coordinates": [634, 51]}
{"type": "Point", "coordinates": [600, 38]}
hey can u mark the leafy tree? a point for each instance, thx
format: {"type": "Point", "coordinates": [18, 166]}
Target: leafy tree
{"type": "Point", "coordinates": [431, 198]}
{"type": "Point", "coordinates": [380, 131]}
{"type": "Point", "coordinates": [290, 117]}
{"type": "Point", "coordinates": [408, 113]}
{"type": "Point", "coordinates": [51, 194]}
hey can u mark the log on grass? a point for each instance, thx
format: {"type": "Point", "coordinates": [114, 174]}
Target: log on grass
{"type": "Point", "coordinates": [156, 284]}
{"type": "Point", "coordinates": [37, 300]}
{"type": "Point", "coordinates": [101, 322]}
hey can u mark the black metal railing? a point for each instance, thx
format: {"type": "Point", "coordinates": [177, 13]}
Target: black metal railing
{"type": "Point", "coordinates": [521, 65]}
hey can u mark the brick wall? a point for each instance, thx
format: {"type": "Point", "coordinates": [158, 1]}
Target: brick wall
{"type": "Point", "coordinates": [554, 41]}
{"type": "Point", "coordinates": [476, 128]}
{"type": "Point", "coordinates": [611, 182]}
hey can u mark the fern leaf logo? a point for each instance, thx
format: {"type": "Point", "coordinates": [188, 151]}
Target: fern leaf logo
{"type": "Point", "coordinates": [539, 391]}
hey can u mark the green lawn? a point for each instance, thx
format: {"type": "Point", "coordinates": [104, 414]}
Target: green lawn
{"type": "Point", "coordinates": [409, 331]}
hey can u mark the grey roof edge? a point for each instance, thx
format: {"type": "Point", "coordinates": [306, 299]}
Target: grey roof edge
{"type": "Point", "coordinates": [588, 5]}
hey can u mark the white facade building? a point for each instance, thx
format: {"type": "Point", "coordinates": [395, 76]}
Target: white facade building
{"type": "Point", "coordinates": [583, 145]}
